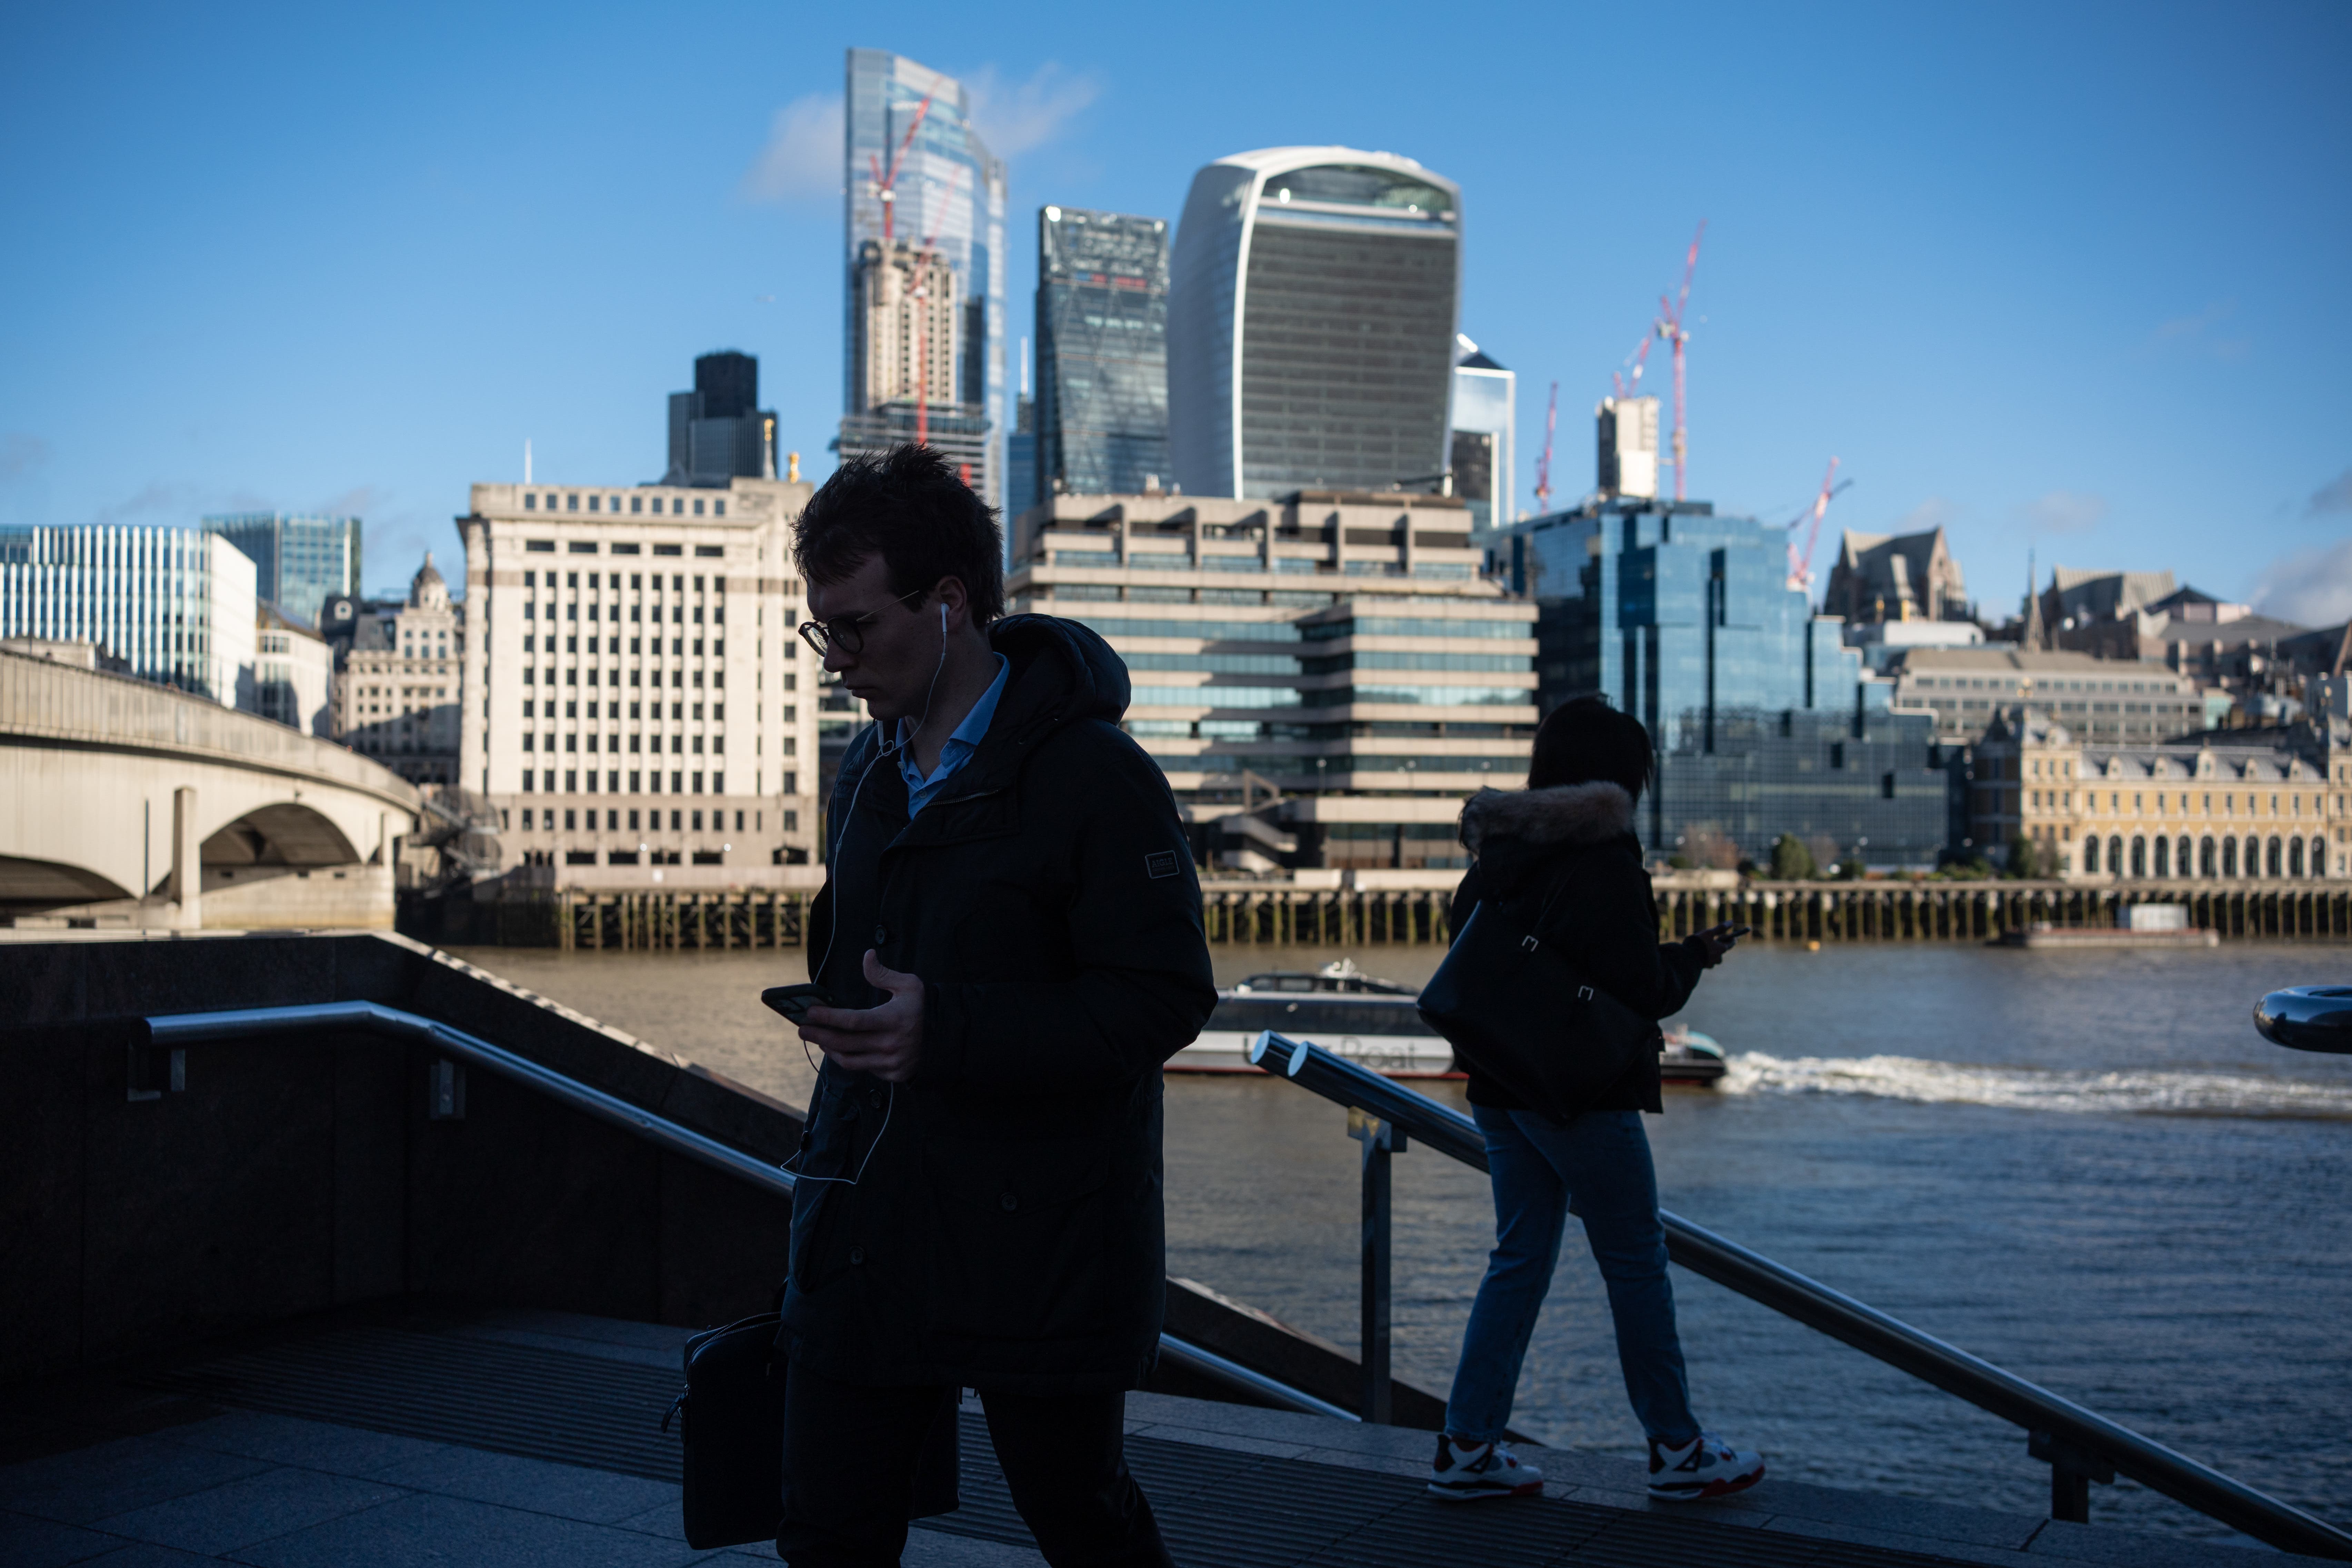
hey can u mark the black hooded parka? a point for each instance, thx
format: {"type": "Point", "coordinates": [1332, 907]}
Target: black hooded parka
{"type": "Point", "coordinates": [1004, 1228]}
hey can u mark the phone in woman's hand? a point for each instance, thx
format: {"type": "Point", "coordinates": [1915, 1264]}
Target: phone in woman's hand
{"type": "Point", "coordinates": [794, 1001]}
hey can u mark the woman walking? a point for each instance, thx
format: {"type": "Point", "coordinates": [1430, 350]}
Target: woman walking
{"type": "Point", "coordinates": [1572, 829]}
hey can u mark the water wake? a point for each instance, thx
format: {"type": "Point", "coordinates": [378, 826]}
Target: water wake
{"type": "Point", "coordinates": [1923, 1082]}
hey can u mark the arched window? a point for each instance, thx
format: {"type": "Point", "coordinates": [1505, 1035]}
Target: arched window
{"type": "Point", "coordinates": [2139, 857]}
{"type": "Point", "coordinates": [2164, 857]}
{"type": "Point", "coordinates": [2180, 857]}
{"type": "Point", "coordinates": [2273, 862]}
{"type": "Point", "coordinates": [2294, 857]}
{"type": "Point", "coordinates": [2116, 856]}
{"type": "Point", "coordinates": [2318, 855]}
{"type": "Point", "coordinates": [2228, 857]}
{"type": "Point", "coordinates": [2091, 854]}
{"type": "Point", "coordinates": [2205, 857]}
{"type": "Point", "coordinates": [2253, 857]}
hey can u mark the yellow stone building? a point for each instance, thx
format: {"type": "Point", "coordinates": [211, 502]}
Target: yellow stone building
{"type": "Point", "coordinates": [2229, 806]}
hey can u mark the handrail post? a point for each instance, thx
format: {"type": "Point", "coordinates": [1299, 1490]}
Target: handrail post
{"type": "Point", "coordinates": [2072, 1472]}
{"type": "Point", "coordinates": [1380, 1140]}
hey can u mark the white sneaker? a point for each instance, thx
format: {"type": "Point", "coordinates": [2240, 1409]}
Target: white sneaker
{"type": "Point", "coordinates": [1464, 1471]}
{"type": "Point", "coordinates": [1706, 1467]}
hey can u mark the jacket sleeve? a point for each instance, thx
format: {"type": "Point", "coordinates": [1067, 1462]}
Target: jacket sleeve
{"type": "Point", "coordinates": [1143, 986]}
{"type": "Point", "coordinates": [1617, 934]}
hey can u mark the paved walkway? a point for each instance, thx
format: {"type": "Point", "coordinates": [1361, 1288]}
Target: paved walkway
{"type": "Point", "coordinates": [527, 1439]}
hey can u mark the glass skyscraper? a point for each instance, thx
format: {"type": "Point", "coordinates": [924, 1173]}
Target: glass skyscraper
{"type": "Point", "coordinates": [1762, 719]}
{"type": "Point", "coordinates": [299, 559]}
{"type": "Point", "coordinates": [1485, 419]}
{"type": "Point", "coordinates": [1311, 311]}
{"type": "Point", "coordinates": [915, 171]}
{"type": "Point", "coordinates": [1102, 352]}
{"type": "Point", "coordinates": [175, 605]}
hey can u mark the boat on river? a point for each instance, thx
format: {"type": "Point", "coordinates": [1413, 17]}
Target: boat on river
{"type": "Point", "coordinates": [1374, 1022]}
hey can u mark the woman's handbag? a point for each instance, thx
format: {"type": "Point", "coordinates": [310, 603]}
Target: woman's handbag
{"type": "Point", "coordinates": [731, 1420]}
{"type": "Point", "coordinates": [1514, 1007]}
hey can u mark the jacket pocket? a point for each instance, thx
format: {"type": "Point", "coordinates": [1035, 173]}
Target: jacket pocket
{"type": "Point", "coordinates": [1021, 1243]}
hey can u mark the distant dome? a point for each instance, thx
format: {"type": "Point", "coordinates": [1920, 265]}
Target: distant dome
{"type": "Point", "coordinates": [427, 590]}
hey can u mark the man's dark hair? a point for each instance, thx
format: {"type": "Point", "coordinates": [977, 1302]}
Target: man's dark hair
{"type": "Point", "coordinates": [1587, 741]}
{"type": "Point", "coordinates": [907, 506]}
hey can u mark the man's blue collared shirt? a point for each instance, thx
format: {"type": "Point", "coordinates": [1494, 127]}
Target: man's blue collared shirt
{"type": "Point", "coordinates": [959, 748]}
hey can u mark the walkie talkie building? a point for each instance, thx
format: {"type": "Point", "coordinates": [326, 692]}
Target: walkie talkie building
{"type": "Point", "coordinates": [1311, 311]}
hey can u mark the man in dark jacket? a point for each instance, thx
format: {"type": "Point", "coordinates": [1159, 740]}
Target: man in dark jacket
{"type": "Point", "coordinates": [1011, 928]}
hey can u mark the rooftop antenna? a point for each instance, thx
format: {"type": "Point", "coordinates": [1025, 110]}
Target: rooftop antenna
{"type": "Point", "coordinates": [526, 459]}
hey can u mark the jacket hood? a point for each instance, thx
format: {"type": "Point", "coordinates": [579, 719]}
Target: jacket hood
{"type": "Point", "coordinates": [1062, 670]}
{"type": "Point", "coordinates": [1541, 819]}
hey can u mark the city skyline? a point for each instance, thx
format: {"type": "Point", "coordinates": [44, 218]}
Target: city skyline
{"type": "Point", "coordinates": [2076, 311]}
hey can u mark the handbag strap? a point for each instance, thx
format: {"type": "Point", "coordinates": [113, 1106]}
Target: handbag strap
{"type": "Point", "coordinates": [1543, 916]}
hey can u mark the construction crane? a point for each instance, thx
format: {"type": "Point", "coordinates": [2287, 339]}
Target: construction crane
{"type": "Point", "coordinates": [1800, 567]}
{"type": "Point", "coordinates": [1671, 328]}
{"type": "Point", "coordinates": [886, 186]}
{"type": "Point", "coordinates": [1543, 464]}
{"type": "Point", "coordinates": [1622, 385]}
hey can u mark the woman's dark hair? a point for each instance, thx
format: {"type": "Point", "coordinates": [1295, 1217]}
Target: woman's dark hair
{"type": "Point", "coordinates": [909, 507]}
{"type": "Point", "coordinates": [1587, 741]}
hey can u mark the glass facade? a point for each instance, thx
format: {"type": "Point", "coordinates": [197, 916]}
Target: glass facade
{"type": "Point", "coordinates": [1763, 721]}
{"type": "Point", "coordinates": [1313, 296]}
{"type": "Point", "coordinates": [299, 559]}
{"type": "Point", "coordinates": [1483, 448]}
{"type": "Point", "coordinates": [176, 606]}
{"type": "Point", "coordinates": [947, 185]}
{"type": "Point", "coordinates": [1102, 352]}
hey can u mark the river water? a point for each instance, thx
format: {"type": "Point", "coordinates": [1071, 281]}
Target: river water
{"type": "Point", "coordinates": [2084, 1166]}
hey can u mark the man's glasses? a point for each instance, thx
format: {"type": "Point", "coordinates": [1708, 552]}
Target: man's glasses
{"type": "Point", "coordinates": [845, 631]}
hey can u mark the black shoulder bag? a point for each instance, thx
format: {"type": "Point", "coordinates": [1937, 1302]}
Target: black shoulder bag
{"type": "Point", "coordinates": [1516, 1008]}
{"type": "Point", "coordinates": [731, 1421]}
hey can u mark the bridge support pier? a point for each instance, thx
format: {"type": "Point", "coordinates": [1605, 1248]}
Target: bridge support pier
{"type": "Point", "coordinates": [187, 862]}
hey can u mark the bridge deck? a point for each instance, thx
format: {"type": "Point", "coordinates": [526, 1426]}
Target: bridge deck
{"type": "Point", "coordinates": [511, 1438]}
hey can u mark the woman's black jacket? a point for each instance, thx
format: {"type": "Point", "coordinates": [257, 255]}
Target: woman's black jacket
{"type": "Point", "coordinates": [1577, 841]}
{"type": "Point", "coordinates": [1005, 1230]}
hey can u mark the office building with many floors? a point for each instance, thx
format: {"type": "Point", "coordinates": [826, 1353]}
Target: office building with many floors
{"type": "Point", "coordinates": [916, 174]}
{"type": "Point", "coordinates": [299, 559]}
{"type": "Point", "coordinates": [633, 675]}
{"type": "Point", "coordinates": [1762, 721]}
{"type": "Point", "coordinates": [1484, 446]}
{"type": "Point", "coordinates": [718, 431]}
{"type": "Point", "coordinates": [399, 680]}
{"type": "Point", "coordinates": [1102, 354]}
{"type": "Point", "coordinates": [175, 606]}
{"type": "Point", "coordinates": [293, 673]}
{"type": "Point", "coordinates": [1313, 298]}
{"type": "Point", "coordinates": [2101, 701]}
{"type": "Point", "coordinates": [1323, 678]}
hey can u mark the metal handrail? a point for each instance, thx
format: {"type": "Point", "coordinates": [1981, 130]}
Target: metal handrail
{"type": "Point", "coordinates": [176, 1031]}
{"type": "Point", "coordinates": [2085, 1441]}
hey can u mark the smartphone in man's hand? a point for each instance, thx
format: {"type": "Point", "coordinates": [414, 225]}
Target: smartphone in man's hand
{"type": "Point", "coordinates": [794, 1001]}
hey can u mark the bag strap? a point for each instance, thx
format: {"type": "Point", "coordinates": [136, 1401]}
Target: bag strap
{"type": "Point", "coordinates": [1543, 916]}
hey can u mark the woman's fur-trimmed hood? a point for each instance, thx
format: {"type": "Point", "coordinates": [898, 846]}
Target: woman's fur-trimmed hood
{"type": "Point", "coordinates": [1541, 818]}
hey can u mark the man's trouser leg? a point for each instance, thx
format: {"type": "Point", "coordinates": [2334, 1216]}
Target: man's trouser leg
{"type": "Point", "coordinates": [850, 1469]}
{"type": "Point", "coordinates": [1065, 1459]}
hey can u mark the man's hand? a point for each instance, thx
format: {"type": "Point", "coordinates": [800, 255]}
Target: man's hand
{"type": "Point", "coordinates": [885, 1041]}
{"type": "Point", "coordinates": [1714, 942]}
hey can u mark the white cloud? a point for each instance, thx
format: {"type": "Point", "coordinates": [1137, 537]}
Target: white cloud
{"type": "Point", "coordinates": [2310, 587]}
{"type": "Point", "coordinates": [1013, 120]}
{"type": "Point", "coordinates": [2064, 512]}
{"type": "Point", "coordinates": [154, 497]}
{"type": "Point", "coordinates": [1932, 513]}
{"type": "Point", "coordinates": [2336, 495]}
{"type": "Point", "coordinates": [2201, 333]}
{"type": "Point", "coordinates": [802, 155]}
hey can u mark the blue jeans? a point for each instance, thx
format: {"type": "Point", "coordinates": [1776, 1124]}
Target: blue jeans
{"type": "Point", "coordinates": [1597, 1168]}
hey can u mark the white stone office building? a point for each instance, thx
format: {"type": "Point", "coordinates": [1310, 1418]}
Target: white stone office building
{"type": "Point", "coordinates": [293, 673]}
{"type": "Point", "coordinates": [1336, 650]}
{"type": "Point", "coordinates": [397, 696]}
{"type": "Point", "coordinates": [633, 679]}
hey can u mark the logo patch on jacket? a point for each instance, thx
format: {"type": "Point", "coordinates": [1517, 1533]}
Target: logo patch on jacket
{"type": "Point", "coordinates": [1160, 863]}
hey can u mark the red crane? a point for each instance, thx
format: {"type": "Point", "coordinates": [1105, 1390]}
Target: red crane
{"type": "Point", "coordinates": [1800, 567]}
{"type": "Point", "coordinates": [1671, 328]}
{"type": "Point", "coordinates": [886, 186]}
{"type": "Point", "coordinates": [1543, 464]}
{"type": "Point", "coordinates": [1623, 385]}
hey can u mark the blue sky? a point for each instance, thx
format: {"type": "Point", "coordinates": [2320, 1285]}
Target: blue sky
{"type": "Point", "coordinates": [2066, 278]}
